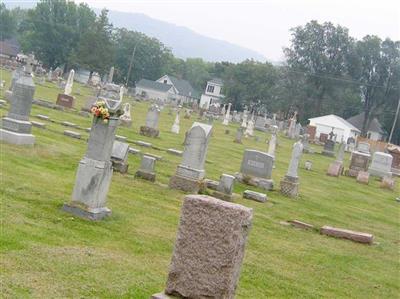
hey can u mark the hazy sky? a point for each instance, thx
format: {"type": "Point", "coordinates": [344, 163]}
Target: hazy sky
{"type": "Point", "coordinates": [264, 25]}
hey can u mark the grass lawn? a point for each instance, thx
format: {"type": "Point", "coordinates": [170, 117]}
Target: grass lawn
{"type": "Point", "coordinates": [46, 253]}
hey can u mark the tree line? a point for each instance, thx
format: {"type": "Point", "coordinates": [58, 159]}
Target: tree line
{"type": "Point", "coordinates": [326, 71]}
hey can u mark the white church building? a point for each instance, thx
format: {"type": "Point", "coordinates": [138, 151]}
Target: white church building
{"type": "Point", "coordinates": [342, 128]}
{"type": "Point", "coordinates": [212, 94]}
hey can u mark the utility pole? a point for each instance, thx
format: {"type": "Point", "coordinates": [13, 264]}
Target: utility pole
{"type": "Point", "coordinates": [130, 66]}
{"type": "Point", "coordinates": [394, 121]}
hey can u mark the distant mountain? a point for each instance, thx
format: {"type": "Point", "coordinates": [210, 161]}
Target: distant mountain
{"type": "Point", "coordinates": [184, 42]}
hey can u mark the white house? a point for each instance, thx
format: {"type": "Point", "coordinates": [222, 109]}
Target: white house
{"type": "Point", "coordinates": [212, 94]}
{"type": "Point", "coordinates": [154, 90]}
{"type": "Point", "coordinates": [341, 127]}
{"type": "Point", "coordinates": [375, 131]}
{"type": "Point", "coordinates": [185, 92]}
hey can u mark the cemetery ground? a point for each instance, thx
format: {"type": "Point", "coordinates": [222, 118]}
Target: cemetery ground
{"type": "Point", "coordinates": [47, 253]}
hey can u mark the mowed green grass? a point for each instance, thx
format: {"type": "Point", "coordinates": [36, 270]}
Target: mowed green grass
{"type": "Point", "coordinates": [46, 253]}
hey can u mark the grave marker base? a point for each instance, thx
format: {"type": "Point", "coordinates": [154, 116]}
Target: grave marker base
{"type": "Point", "coordinates": [149, 132]}
{"type": "Point", "coordinates": [290, 186]}
{"type": "Point", "coordinates": [186, 184]}
{"type": "Point", "coordinates": [90, 214]}
{"type": "Point", "coordinates": [16, 138]}
{"type": "Point", "coordinates": [149, 176]}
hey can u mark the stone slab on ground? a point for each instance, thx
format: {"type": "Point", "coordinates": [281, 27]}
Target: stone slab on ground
{"type": "Point", "coordinates": [335, 169]}
{"type": "Point", "coordinates": [174, 152]}
{"type": "Point", "coordinates": [300, 224]}
{"type": "Point", "coordinates": [149, 176]}
{"type": "Point", "coordinates": [72, 134]}
{"type": "Point", "coordinates": [157, 157]}
{"type": "Point", "coordinates": [347, 234]}
{"type": "Point", "coordinates": [133, 151]}
{"type": "Point", "coordinates": [121, 138]}
{"type": "Point", "coordinates": [149, 132]}
{"type": "Point", "coordinates": [253, 195]}
{"type": "Point", "coordinates": [186, 184]}
{"type": "Point", "coordinates": [69, 124]}
{"type": "Point", "coordinates": [162, 295]}
{"type": "Point", "coordinates": [38, 124]}
{"type": "Point", "coordinates": [80, 212]}
{"type": "Point", "coordinates": [43, 117]}
{"type": "Point", "coordinates": [142, 143]}
{"type": "Point", "coordinates": [211, 184]}
{"type": "Point", "coordinates": [387, 183]}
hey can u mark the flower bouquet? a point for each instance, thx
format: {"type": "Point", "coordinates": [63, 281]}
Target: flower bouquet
{"type": "Point", "coordinates": [100, 111]}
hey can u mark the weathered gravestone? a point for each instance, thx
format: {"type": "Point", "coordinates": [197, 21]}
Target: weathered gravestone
{"type": "Point", "coordinates": [312, 131]}
{"type": "Point", "coordinates": [151, 127]}
{"type": "Point", "coordinates": [256, 169]}
{"type": "Point", "coordinates": [94, 173]}
{"type": "Point", "coordinates": [16, 127]}
{"type": "Point", "coordinates": [359, 162]}
{"type": "Point", "coordinates": [323, 137]}
{"type": "Point", "coordinates": [381, 165]}
{"type": "Point", "coordinates": [119, 156]}
{"type": "Point", "coordinates": [329, 148]}
{"type": "Point", "coordinates": [209, 249]}
{"type": "Point", "coordinates": [363, 147]}
{"type": "Point", "coordinates": [239, 135]}
{"type": "Point", "coordinates": [226, 117]}
{"type": "Point", "coordinates": [190, 173]}
{"type": "Point", "coordinates": [125, 118]}
{"type": "Point", "coordinates": [175, 127]}
{"type": "Point", "coordinates": [250, 128]}
{"type": "Point", "coordinates": [363, 177]}
{"type": "Point", "coordinates": [65, 99]}
{"type": "Point", "coordinates": [146, 170]}
{"type": "Point", "coordinates": [273, 141]}
{"type": "Point", "coordinates": [225, 187]}
{"type": "Point", "coordinates": [260, 123]}
{"type": "Point", "coordinates": [336, 168]}
{"type": "Point", "coordinates": [290, 183]}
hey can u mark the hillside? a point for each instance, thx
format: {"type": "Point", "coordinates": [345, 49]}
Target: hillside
{"type": "Point", "coordinates": [47, 253]}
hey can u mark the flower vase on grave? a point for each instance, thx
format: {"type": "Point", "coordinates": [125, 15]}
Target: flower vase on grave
{"type": "Point", "coordinates": [94, 173]}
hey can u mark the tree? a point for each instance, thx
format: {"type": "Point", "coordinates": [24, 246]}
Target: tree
{"type": "Point", "coordinates": [321, 53]}
{"type": "Point", "coordinates": [150, 58]}
{"type": "Point", "coordinates": [96, 48]}
{"type": "Point", "coordinates": [8, 25]}
{"type": "Point", "coordinates": [53, 30]}
{"type": "Point", "coordinates": [376, 65]}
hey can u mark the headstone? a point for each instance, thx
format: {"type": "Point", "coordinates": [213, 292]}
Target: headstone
{"type": "Point", "coordinates": [312, 131]}
{"type": "Point", "coordinates": [110, 75]}
{"type": "Point", "coordinates": [209, 249]}
{"type": "Point", "coordinates": [94, 173]}
{"type": "Point", "coordinates": [290, 183]}
{"type": "Point", "coordinates": [65, 100]}
{"type": "Point", "coordinates": [225, 187]}
{"type": "Point", "coordinates": [363, 177]}
{"type": "Point", "coordinates": [239, 135]}
{"type": "Point", "coordinates": [363, 147]}
{"type": "Point", "coordinates": [126, 120]}
{"type": "Point", "coordinates": [323, 137]}
{"type": "Point", "coordinates": [381, 165]}
{"type": "Point", "coordinates": [329, 148]}
{"type": "Point", "coordinates": [244, 120]}
{"type": "Point", "coordinates": [175, 127]}
{"type": "Point", "coordinates": [336, 167]}
{"type": "Point", "coordinates": [351, 144]}
{"type": "Point", "coordinates": [256, 169]}
{"type": "Point", "coordinates": [395, 152]}
{"type": "Point", "coordinates": [69, 84]}
{"type": "Point", "coordinates": [151, 127]}
{"type": "Point", "coordinates": [308, 165]}
{"type": "Point", "coordinates": [297, 131]}
{"type": "Point", "coordinates": [273, 141]}
{"type": "Point", "coordinates": [190, 173]}
{"type": "Point", "coordinates": [387, 183]}
{"type": "Point", "coordinates": [146, 170]}
{"type": "Point", "coordinates": [306, 143]}
{"type": "Point", "coordinates": [188, 114]}
{"type": "Point", "coordinates": [119, 156]}
{"type": "Point", "coordinates": [16, 127]}
{"type": "Point", "coordinates": [226, 117]}
{"type": "Point", "coordinates": [292, 126]}
{"type": "Point", "coordinates": [359, 162]}
{"type": "Point", "coordinates": [260, 123]}
{"type": "Point", "coordinates": [250, 128]}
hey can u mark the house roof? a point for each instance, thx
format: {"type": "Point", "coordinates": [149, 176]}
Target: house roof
{"type": "Point", "coordinates": [216, 81]}
{"type": "Point", "coordinates": [154, 85]}
{"type": "Point", "coordinates": [184, 88]}
{"type": "Point", "coordinates": [9, 47]}
{"type": "Point", "coordinates": [331, 119]}
{"type": "Point", "coordinates": [374, 126]}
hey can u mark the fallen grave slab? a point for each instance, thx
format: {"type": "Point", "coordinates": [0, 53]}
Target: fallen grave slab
{"type": "Point", "coordinates": [158, 158]}
{"type": "Point", "coordinates": [347, 234]}
{"type": "Point", "coordinates": [72, 134]}
{"type": "Point", "coordinates": [142, 143]}
{"type": "Point", "coordinates": [69, 124]}
{"type": "Point", "coordinates": [253, 195]}
{"type": "Point", "coordinates": [38, 124]}
{"type": "Point", "coordinates": [300, 224]}
{"type": "Point", "coordinates": [211, 184]}
{"type": "Point", "coordinates": [44, 117]}
{"type": "Point", "coordinates": [121, 138]}
{"type": "Point", "coordinates": [174, 152]}
{"type": "Point", "coordinates": [133, 151]}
